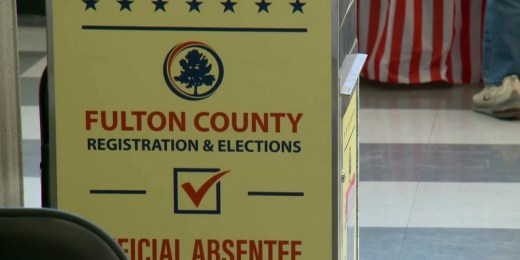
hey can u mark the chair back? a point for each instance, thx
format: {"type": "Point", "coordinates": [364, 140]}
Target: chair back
{"type": "Point", "coordinates": [53, 234]}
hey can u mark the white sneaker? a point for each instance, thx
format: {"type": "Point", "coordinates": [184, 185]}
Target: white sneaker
{"type": "Point", "coordinates": [502, 101]}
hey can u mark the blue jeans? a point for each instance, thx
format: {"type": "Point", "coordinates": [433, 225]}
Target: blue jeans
{"type": "Point", "coordinates": [501, 46]}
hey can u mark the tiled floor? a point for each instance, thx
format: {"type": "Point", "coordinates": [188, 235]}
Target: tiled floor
{"type": "Point", "coordinates": [438, 181]}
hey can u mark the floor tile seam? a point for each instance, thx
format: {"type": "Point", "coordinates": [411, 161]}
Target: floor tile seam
{"type": "Point", "coordinates": [423, 143]}
{"type": "Point", "coordinates": [31, 78]}
{"type": "Point", "coordinates": [443, 182]}
{"type": "Point", "coordinates": [361, 107]}
{"type": "Point", "coordinates": [414, 199]}
{"type": "Point", "coordinates": [408, 221]}
{"type": "Point", "coordinates": [32, 22]}
{"type": "Point", "coordinates": [31, 52]}
{"type": "Point", "coordinates": [23, 25]}
{"type": "Point", "coordinates": [36, 106]}
{"type": "Point", "coordinates": [465, 108]}
{"type": "Point", "coordinates": [439, 228]}
{"type": "Point", "coordinates": [443, 143]}
{"type": "Point", "coordinates": [426, 182]}
{"type": "Point", "coordinates": [435, 117]}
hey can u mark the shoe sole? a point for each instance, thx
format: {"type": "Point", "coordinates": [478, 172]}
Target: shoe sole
{"type": "Point", "coordinates": [510, 109]}
{"type": "Point", "coordinates": [507, 113]}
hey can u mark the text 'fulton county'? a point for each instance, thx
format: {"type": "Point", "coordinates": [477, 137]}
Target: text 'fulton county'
{"type": "Point", "coordinates": [157, 121]}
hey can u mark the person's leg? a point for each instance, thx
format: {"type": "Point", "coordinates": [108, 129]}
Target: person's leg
{"type": "Point", "coordinates": [501, 60]}
{"type": "Point", "coordinates": [501, 46]}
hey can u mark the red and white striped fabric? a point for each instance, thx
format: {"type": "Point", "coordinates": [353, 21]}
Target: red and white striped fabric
{"type": "Point", "coordinates": [417, 41]}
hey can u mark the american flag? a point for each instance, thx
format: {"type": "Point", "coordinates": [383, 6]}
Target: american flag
{"type": "Point", "coordinates": [417, 41]}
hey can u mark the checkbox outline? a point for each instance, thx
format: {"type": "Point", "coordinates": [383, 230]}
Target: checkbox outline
{"type": "Point", "coordinates": [176, 186]}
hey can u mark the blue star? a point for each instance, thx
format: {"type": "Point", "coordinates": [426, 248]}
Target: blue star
{"type": "Point", "coordinates": [90, 4]}
{"type": "Point", "coordinates": [262, 6]}
{"type": "Point", "coordinates": [194, 5]}
{"type": "Point", "coordinates": [159, 5]}
{"type": "Point", "coordinates": [125, 4]}
{"type": "Point", "coordinates": [229, 6]}
{"type": "Point", "coordinates": [297, 6]}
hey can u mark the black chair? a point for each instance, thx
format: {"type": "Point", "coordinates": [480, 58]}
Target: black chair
{"type": "Point", "coordinates": [53, 234]}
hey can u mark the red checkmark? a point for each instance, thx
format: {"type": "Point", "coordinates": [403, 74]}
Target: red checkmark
{"type": "Point", "coordinates": [196, 196]}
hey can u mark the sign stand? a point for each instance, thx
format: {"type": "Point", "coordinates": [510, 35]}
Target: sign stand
{"type": "Point", "coordinates": [206, 129]}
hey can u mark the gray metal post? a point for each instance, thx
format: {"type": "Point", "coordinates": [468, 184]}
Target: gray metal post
{"type": "Point", "coordinates": [11, 175]}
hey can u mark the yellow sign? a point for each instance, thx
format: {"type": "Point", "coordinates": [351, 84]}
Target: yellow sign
{"type": "Point", "coordinates": [349, 223]}
{"type": "Point", "coordinates": [197, 129]}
